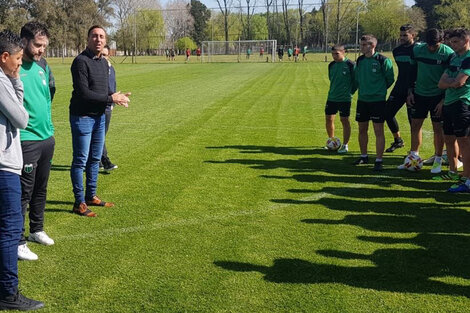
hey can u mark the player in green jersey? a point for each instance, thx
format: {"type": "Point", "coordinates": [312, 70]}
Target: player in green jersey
{"type": "Point", "coordinates": [456, 112]}
{"type": "Point", "coordinates": [373, 76]}
{"type": "Point", "coordinates": [432, 59]}
{"type": "Point", "coordinates": [341, 75]}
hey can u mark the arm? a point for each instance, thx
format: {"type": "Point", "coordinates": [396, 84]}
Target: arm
{"type": "Point", "coordinates": [80, 83]}
{"type": "Point", "coordinates": [51, 84]}
{"type": "Point", "coordinates": [388, 72]}
{"type": "Point", "coordinates": [11, 105]}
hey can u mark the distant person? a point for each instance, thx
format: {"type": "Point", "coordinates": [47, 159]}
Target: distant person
{"type": "Point", "coordinates": [373, 76]}
{"type": "Point", "coordinates": [172, 55]}
{"type": "Point", "coordinates": [248, 53]}
{"type": "Point", "coordinates": [304, 53]}
{"type": "Point", "coordinates": [296, 54]}
{"type": "Point", "coordinates": [188, 54]}
{"type": "Point", "coordinates": [90, 96]}
{"type": "Point", "coordinates": [13, 117]}
{"type": "Point", "coordinates": [37, 139]}
{"type": "Point", "coordinates": [105, 160]}
{"type": "Point", "coordinates": [167, 54]}
{"type": "Point", "coordinates": [280, 53]}
{"type": "Point", "coordinates": [289, 53]}
{"type": "Point", "coordinates": [341, 76]}
{"type": "Point", "coordinates": [198, 53]}
{"type": "Point", "coordinates": [261, 52]}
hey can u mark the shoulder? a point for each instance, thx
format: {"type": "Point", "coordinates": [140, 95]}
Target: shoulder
{"type": "Point", "coordinates": [350, 63]}
{"type": "Point", "coordinates": [43, 64]}
{"type": "Point", "coordinates": [466, 63]}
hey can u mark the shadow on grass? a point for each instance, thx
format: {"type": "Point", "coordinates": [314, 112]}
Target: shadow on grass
{"type": "Point", "coordinates": [394, 270]}
{"type": "Point", "coordinates": [60, 168]}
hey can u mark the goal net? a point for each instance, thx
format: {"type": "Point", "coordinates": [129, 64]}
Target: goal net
{"type": "Point", "coordinates": [239, 51]}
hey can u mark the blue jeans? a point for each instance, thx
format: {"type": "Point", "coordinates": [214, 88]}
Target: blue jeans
{"type": "Point", "coordinates": [87, 142]}
{"type": "Point", "coordinates": [11, 222]}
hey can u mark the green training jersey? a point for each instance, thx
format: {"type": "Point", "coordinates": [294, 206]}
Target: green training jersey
{"type": "Point", "coordinates": [341, 75]}
{"type": "Point", "coordinates": [373, 77]}
{"type": "Point", "coordinates": [38, 92]}
{"type": "Point", "coordinates": [430, 67]}
{"type": "Point", "coordinates": [458, 64]}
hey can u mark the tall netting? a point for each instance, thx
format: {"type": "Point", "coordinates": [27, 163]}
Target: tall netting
{"type": "Point", "coordinates": [239, 51]}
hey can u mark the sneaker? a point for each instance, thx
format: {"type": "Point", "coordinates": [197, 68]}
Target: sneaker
{"type": "Point", "coordinates": [362, 160]}
{"type": "Point", "coordinates": [95, 201]}
{"type": "Point", "coordinates": [25, 254]}
{"type": "Point", "coordinates": [445, 160]}
{"type": "Point", "coordinates": [449, 176]}
{"type": "Point", "coordinates": [429, 160]}
{"type": "Point", "coordinates": [41, 237]}
{"type": "Point", "coordinates": [19, 302]}
{"type": "Point", "coordinates": [398, 143]}
{"type": "Point", "coordinates": [459, 188]}
{"type": "Point", "coordinates": [83, 210]}
{"type": "Point", "coordinates": [110, 166]}
{"type": "Point", "coordinates": [378, 166]}
{"type": "Point", "coordinates": [101, 166]}
{"type": "Point", "coordinates": [343, 149]}
{"type": "Point", "coordinates": [436, 167]}
{"type": "Point", "coordinates": [401, 167]}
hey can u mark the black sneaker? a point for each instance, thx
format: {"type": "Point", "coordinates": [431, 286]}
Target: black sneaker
{"type": "Point", "coordinates": [110, 166]}
{"type": "Point", "coordinates": [362, 160]}
{"type": "Point", "coordinates": [378, 166]}
{"type": "Point", "coordinates": [398, 143]}
{"type": "Point", "coordinates": [19, 302]}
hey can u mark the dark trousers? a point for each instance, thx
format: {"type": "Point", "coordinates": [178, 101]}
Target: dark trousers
{"type": "Point", "coordinates": [394, 104]}
{"type": "Point", "coordinates": [107, 114]}
{"type": "Point", "coordinates": [10, 231]}
{"type": "Point", "coordinates": [37, 158]}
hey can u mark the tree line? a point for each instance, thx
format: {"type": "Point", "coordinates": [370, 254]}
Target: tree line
{"type": "Point", "coordinates": [145, 26]}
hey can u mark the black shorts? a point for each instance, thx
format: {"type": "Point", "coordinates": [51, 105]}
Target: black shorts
{"type": "Point", "coordinates": [456, 119]}
{"type": "Point", "coordinates": [367, 111]}
{"type": "Point", "coordinates": [344, 108]}
{"type": "Point", "coordinates": [423, 105]}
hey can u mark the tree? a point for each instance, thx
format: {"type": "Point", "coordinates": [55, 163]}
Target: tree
{"type": "Point", "coordinates": [417, 18]}
{"type": "Point", "coordinates": [385, 29]}
{"type": "Point", "coordinates": [428, 8]}
{"type": "Point", "coordinates": [150, 28]}
{"type": "Point", "coordinates": [185, 43]}
{"type": "Point", "coordinates": [178, 20]}
{"type": "Point", "coordinates": [453, 13]}
{"type": "Point", "coordinates": [224, 7]}
{"type": "Point", "coordinates": [246, 18]}
{"type": "Point", "coordinates": [201, 15]}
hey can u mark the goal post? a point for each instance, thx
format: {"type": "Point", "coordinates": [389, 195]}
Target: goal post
{"type": "Point", "coordinates": [239, 51]}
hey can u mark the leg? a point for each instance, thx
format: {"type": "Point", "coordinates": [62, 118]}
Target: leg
{"type": "Point", "coordinates": [416, 133]}
{"type": "Point", "coordinates": [379, 139]}
{"type": "Point", "coordinates": [363, 136]}
{"type": "Point", "coordinates": [104, 159]}
{"type": "Point", "coordinates": [346, 129]}
{"type": "Point", "coordinates": [438, 138]}
{"type": "Point", "coordinates": [81, 127]}
{"type": "Point", "coordinates": [38, 201]}
{"type": "Point", "coordinates": [452, 148]}
{"type": "Point", "coordinates": [464, 145]}
{"type": "Point", "coordinates": [31, 155]}
{"type": "Point", "coordinates": [330, 125]}
{"type": "Point", "coordinates": [10, 229]}
{"type": "Point", "coordinates": [94, 156]}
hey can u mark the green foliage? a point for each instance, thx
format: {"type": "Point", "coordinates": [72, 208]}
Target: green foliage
{"type": "Point", "coordinates": [184, 43]}
{"type": "Point", "coordinates": [453, 13]}
{"type": "Point", "coordinates": [428, 7]}
{"type": "Point", "coordinates": [383, 19]}
{"type": "Point", "coordinates": [201, 15]}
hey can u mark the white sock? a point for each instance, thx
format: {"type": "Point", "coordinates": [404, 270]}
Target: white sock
{"type": "Point", "coordinates": [378, 160]}
{"type": "Point", "coordinates": [364, 155]}
{"type": "Point", "coordinates": [467, 182]}
{"type": "Point", "coordinates": [414, 153]}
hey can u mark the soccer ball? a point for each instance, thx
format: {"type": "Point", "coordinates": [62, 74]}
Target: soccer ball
{"type": "Point", "coordinates": [413, 163]}
{"type": "Point", "coordinates": [333, 143]}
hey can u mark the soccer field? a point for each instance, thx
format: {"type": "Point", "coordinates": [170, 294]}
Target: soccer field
{"type": "Point", "coordinates": [226, 202]}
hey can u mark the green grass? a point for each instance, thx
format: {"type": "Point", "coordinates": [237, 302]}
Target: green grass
{"type": "Point", "coordinates": [227, 203]}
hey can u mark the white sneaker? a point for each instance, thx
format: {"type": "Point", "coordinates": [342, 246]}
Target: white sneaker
{"type": "Point", "coordinates": [25, 254]}
{"type": "Point", "coordinates": [41, 237]}
{"type": "Point", "coordinates": [429, 160]}
{"type": "Point", "coordinates": [436, 167]}
{"type": "Point", "coordinates": [401, 167]}
{"type": "Point", "coordinates": [459, 164]}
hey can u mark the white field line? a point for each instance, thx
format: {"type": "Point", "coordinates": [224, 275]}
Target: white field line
{"type": "Point", "coordinates": [184, 222]}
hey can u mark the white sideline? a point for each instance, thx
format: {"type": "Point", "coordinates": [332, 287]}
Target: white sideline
{"type": "Point", "coordinates": [185, 222]}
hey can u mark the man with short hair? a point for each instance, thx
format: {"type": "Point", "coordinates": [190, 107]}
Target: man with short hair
{"type": "Point", "coordinates": [373, 76]}
{"type": "Point", "coordinates": [456, 112]}
{"type": "Point", "coordinates": [341, 76]}
{"type": "Point", "coordinates": [398, 95]}
{"type": "Point", "coordinates": [431, 59]}
{"type": "Point", "coordinates": [90, 96]}
{"type": "Point", "coordinates": [37, 139]}
{"type": "Point", "coordinates": [13, 117]}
